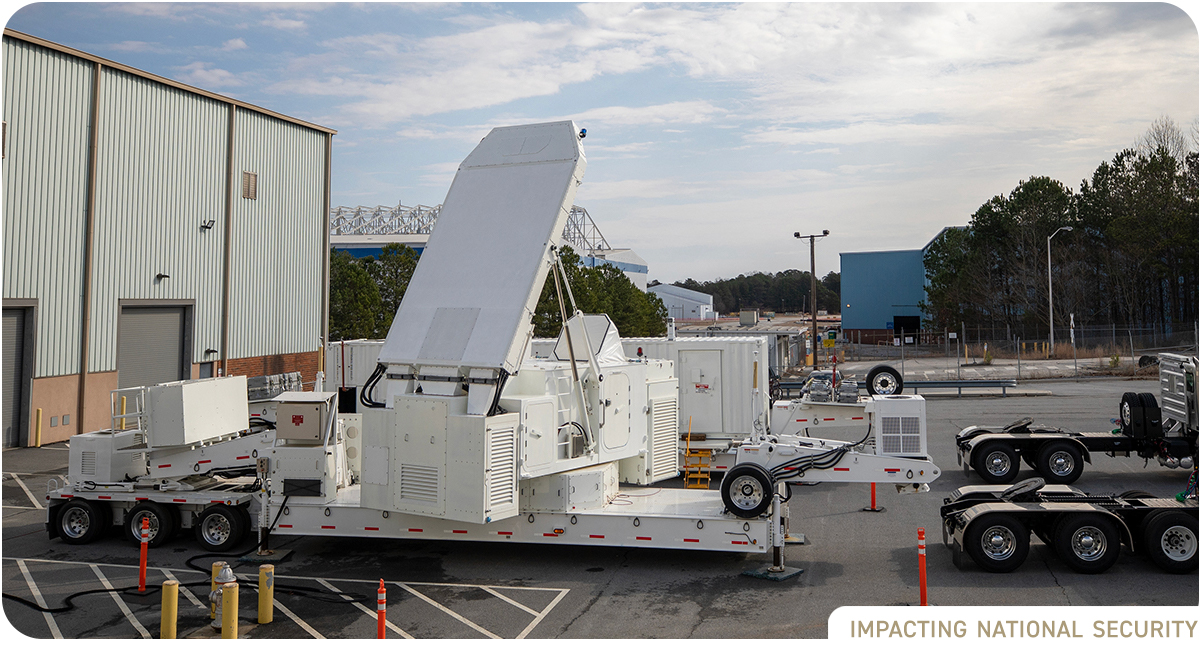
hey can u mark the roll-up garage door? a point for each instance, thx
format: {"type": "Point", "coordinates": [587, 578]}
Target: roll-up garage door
{"type": "Point", "coordinates": [13, 357]}
{"type": "Point", "coordinates": [150, 346]}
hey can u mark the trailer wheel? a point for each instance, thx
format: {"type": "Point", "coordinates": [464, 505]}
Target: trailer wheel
{"type": "Point", "coordinates": [996, 462]}
{"type": "Point", "coordinates": [219, 528]}
{"type": "Point", "coordinates": [1170, 541]}
{"type": "Point", "coordinates": [997, 542]}
{"type": "Point", "coordinates": [1088, 543]}
{"type": "Point", "coordinates": [884, 380]}
{"type": "Point", "coordinates": [162, 523]}
{"type": "Point", "coordinates": [81, 521]}
{"type": "Point", "coordinates": [746, 490]}
{"type": "Point", "coordinates": [1060, 462]}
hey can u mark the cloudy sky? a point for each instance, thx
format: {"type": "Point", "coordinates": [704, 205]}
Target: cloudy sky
{"type": "Point", "coordinates": [715, 131]}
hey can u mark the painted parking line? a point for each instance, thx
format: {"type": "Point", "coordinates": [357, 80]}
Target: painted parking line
{"type": "Point", "coordinates": [186, 591]}
{"type": "Point", "coordinates": [121, 603]}
{"type": "Point", "coordinates": [374, 615]}
{"type": "Point", "coordinates": [37, 597]}
{"type": "Point", "coordinates": [25, 488]}
{"type": "Point", "coordinates": [250, 580]}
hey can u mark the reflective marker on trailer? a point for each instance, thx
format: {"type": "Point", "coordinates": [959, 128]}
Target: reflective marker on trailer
{"type": "Point", "coordinates": [242, 458]}
{"type": "Point", "coordinates": [596, 536]}
{"type": "Point", "coordinates": [207, 460]}
{"type": "Point", "coordinates": [642, 538]}
{"type": "Point", "coordinates": [328, 526]}
{"type": "Point", "coordinates": [459, 531]}
{"type": "Point", "coordinates": [371, 529]}
{"type": "Point", "coordinates": [164, 466]}
{"type": "Point", "coordinates": [891, 470]}
{"type": "Point", "coordinates": [179, 499]}
{"type": "Point", "coordinates": [413, 529]}
{"type": "Point", "coordinates": [288, 526]}
{"type": "Point", "coordinates": [841, 469]}
{"type": "Point", "coordinates": [740, 542]}
{"type": "Point", "coordinates": [504, 533]}
{"type": "Point", "coordinates": [856, 418]}
{"type": "Point", "coordinates": [691, 540]}
{"type": "Point", "coordinates": [106, 497]}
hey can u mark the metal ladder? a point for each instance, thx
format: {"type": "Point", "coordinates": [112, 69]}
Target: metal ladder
{"type": "Point", "coordinates": [697, 464]}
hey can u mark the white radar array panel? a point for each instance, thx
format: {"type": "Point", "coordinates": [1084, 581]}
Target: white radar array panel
{"type": "Point", "coordinates": [470, 302]}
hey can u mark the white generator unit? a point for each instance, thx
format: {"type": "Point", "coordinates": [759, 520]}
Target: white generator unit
{"type": "Point", "coordinates": [106, 457]}
{"type": "Point", "coordinates": [900, 425]}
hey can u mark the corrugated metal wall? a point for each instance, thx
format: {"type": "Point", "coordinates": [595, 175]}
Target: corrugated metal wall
{"type": "Point", "coordinates": [160, 176]}
{"type": "Point", "coordinates": [273, 283]}
{"type": "Point", "coordinates": [47, 105]}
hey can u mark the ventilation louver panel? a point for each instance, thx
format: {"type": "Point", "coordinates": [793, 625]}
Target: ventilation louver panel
{"type": "Point", "coordinates": [502, 458]}
{"type": "Point", "coordinates": [87, 463]}
{"type": "Point", "coordinates": [664, 445]}
{"type": "Point", "coordinates": [419, 483]}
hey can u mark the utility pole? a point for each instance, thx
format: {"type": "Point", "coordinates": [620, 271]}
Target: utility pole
{"type": "Point", "coordinates": [1050, 284]}
{"type": "Point", "coordinates": [812, 255]}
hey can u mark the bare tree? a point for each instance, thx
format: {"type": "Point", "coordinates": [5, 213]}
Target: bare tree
{"type": "Point", "coordinates": [1165, 134]}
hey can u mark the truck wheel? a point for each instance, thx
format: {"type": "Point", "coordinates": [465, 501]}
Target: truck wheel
{"type": "Point", "coordinates": [81, 521]}
{"type": "Point", "coordinates": [883, 379]}
{"type": "Point", "coordinates": [1060, 462]}
{"type": "Point", "coordinates": [1170, 541]}
{"type": "Point", "coordinates": [162, 523]}
{"type": "Point", "coordinates": [1088, 543]}
{"type": "Point", "coordinates": [997, 542]}
{"type": "Point", "coordinates": [1130, 413]}
{"type": "Point", "coordinates": [996, 462]}
{"type": "Point", "coordinates": [1137, 495]}
{"type": "Point", "coordinates": [219, 528]}
{"type": "Point", "coordinates": [746, 490]}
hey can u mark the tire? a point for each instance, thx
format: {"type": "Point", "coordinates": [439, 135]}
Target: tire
{"type": "Point", "coordinates": [81, 521]}
{"type": "Point", "coordinates": [162, 523]}
{"type": "Point", "coordinates": [1088, 543]}
{"type": "Point", "coordinates": [1137, 495]}
{"type": "Point", "coordinates": [1151, 415]}
{"type": "Point", "coordinates": [997, 542]}
{"type": "Point", "coordinates": [996, 462]}
{"type": "Point", "coordinates": [1129, 415]}
{"type": "Point", "coordinates": [884, 380]}
{"type": "Point", "coordinates": [1170, 541]}
{"type": "Point", "coordinates": [1060, 462]}
{"type": "Point", "coordinates": [219, 528]}
{"type": "Point", "coordinates": [747, 490]}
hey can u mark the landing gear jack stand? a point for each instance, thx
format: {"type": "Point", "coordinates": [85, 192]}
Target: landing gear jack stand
{"type": "Point", "coordinates": [777, 571]}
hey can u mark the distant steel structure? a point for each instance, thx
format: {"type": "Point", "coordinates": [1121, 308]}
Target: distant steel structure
{"type": "Point", "coordinates": [371, 220]}
{"type": "Point", "coordinates": [581, 232]}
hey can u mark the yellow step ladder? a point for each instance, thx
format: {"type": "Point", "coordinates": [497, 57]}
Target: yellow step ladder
{"type": "Point", "coordinates": [697, 464]}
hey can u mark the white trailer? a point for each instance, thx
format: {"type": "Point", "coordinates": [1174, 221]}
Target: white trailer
{"type": "Point", "coordinates": [459, 434]}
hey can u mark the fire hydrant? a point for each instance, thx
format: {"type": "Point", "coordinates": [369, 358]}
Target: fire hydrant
{"type": "Point", "coordinates": [224, 577]}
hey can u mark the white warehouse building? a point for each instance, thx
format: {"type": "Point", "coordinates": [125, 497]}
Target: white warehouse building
{"type": "Point", "coordinates": [684, 303]}
{"type": "Point", "coordinates": [153, 232]}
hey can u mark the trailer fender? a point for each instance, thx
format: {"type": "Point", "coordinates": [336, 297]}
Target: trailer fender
{"type": "Point", "coordinates": [954, 525]}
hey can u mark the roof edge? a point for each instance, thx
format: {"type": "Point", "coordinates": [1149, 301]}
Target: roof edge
{"type": "Point", "coordinates": [45, 43]}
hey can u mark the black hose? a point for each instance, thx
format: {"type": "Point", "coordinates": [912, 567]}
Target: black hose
{"type": "Point", "coordinates": [367, 393]}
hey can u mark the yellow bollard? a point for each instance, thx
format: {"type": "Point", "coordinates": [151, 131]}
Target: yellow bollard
{"type": "Point", "coordinates": [229, 611]}
{"type": "Point", "coordinates": [122, 413]}
{"type": "Point", "coordinates": [170, 609]}
{"type": "Point", "coordinates": [266, 593]}
{"type": "Point", "coordinates": [216, 568]}
{"type": "Point", "coordinates": [37, 429]}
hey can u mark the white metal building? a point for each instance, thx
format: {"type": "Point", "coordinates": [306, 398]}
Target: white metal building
{"type": "Point", "coordinates": [152, 231]}
{"type": "Point", "coordinates": [684, 303]}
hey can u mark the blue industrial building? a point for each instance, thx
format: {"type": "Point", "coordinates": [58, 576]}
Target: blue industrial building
{"type": "Point", "coordinates": [882, 292]}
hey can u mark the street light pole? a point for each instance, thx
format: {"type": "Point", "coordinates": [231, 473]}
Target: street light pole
{"type": "Point", "coordinates": [1050, 284]}
{"type": "Point", "coordinates": [812, 255]}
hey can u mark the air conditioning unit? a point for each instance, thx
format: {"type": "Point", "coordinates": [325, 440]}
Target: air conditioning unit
{"type": "Point", "coordinates": [900, 425]}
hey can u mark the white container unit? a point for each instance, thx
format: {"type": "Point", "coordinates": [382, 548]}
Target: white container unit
{"type": "Point", "coordinates": [716, 380]}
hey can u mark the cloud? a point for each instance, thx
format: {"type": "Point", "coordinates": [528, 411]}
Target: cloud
{"type": "Point", "coordinates": [281, 23]}
{"type": "Point", "coordinates": [201, 75]}
{"type": "Point", "coordinates": [234, 44]}
{"type": "Point", "coordinates": [135, 46]}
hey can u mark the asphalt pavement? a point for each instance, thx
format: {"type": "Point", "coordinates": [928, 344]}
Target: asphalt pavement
{"type": "Point", "coordinates": [469, 590]}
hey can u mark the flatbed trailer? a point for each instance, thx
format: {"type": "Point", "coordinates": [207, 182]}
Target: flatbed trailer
{"type": "Point", "coordinates": [992, 526]}
{"type": "Point", "coordinates": [223, 515]}
{"type": "Point", "coordinates": [1146, 430]}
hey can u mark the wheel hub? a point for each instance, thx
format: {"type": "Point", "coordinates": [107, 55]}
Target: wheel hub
{"type": "Point", "coordinates": [1179, 543]}
{"type": "Point", "coordinates": [1088, 543]}
{"type": "Point", "coordinates": [884, 384]}
{"type": "Point", "coordinates": [216, 529]}
{"type": "Point", "coordinates": [1061, 463]}
{"type": "Point", "coordinates": [76, 523]}
{"type": "Point", "coordinates": [746, 492]}
{"type": "Point", "coordinates": [998, 463]}
{"type": "Point", "coordinates": [999, 543]}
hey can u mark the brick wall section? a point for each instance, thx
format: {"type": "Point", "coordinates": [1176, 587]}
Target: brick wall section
{"type": "Point", "coordinates": [266, 365]}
